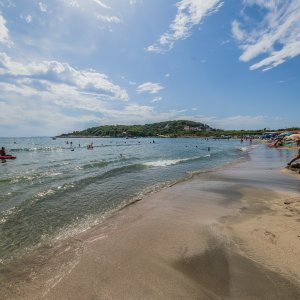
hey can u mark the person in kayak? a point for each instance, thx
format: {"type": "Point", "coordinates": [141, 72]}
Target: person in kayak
{"type": "Point", "coordinates": [2, 152]}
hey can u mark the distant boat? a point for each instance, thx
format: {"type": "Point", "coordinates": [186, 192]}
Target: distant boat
{"type": "Point", "coordinates": [54, 138]}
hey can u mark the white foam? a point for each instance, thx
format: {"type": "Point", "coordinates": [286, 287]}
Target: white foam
{"type": "Point", "coordinates": [170, 162]}
{"type": "Point", "coordinates": [244, 149]}
{"type": "Point", "coordinates": [247, 148]}
{"type": "Point", "coordinates": [162, 163]}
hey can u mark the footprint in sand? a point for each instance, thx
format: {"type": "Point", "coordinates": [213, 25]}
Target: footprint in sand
{"type": "Point", "coordinates": [272, 237]}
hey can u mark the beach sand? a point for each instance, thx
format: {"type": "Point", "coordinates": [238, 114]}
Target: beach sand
{"type": "Point", "coordinates": [227, 234]}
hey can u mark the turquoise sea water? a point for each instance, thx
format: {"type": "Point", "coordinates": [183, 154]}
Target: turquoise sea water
{"type": "Point", "coordinates": [52, 192]}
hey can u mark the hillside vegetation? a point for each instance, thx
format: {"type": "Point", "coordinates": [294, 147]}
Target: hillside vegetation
{"type": "Point", "coordinates": [169, 128]}
{"type": "Point", "coordinates": [164, 129]}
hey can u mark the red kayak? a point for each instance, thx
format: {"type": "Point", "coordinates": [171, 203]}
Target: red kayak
{"type": "Point", "coordinates": [7, 157]}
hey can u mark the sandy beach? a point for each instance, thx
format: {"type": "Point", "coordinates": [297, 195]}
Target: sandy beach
{"type": "Point", "coordinates": [232, 233]}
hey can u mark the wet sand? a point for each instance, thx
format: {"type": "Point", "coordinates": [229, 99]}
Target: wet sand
{"type": "Point", "coordinates": [229, 234]}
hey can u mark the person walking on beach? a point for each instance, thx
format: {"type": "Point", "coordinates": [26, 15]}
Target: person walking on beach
{"type": "Point", "coordinates": [294, 159]}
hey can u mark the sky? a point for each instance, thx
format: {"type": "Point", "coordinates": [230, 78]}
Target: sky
{"type": "Point", "coordinates": [68, 65]}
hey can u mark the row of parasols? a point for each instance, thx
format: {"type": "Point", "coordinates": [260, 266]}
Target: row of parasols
{"type": "Point", "coordinates": [290, 136]}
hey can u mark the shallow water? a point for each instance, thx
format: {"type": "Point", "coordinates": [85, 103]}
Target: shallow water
{"type": "Point", "coordinates": [50, 192]}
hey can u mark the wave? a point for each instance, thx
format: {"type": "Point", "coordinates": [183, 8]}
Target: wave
{"type": "Point", "coordinates": [97, 164]}
{"type": "Point", "coordinates": [118, 145]}
{"type": "Point", "coordinates": [36, 149]}
{"type": "Point", "coordinates": [77, 185]}
{"type": "Point", "coordinates": [34, 176]}
{"type": "Point", "coordinates": [104, 163]}
{"type": "Point", "coordinates": [246, 148]}
{"type": "Point", "coordinates": [170, 162]}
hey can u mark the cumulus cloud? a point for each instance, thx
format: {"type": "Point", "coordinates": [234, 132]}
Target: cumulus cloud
{"type": "Point", "coordinates": [189, 14]}
{"type": "Point", "coordinates": [4, 33]}
{"type": "Point", "coordinates": [25, 118]}
{"type": "Point", "coordinates": [34, 96]}
{"type": "Point", "coordinates": [276, 35]}
{"type": "Point", "coordinates": [61, 73]}
{"type": "Point", "coordinates": [149, 87]}
{"type": "Point", "coordinates": [34, 111]}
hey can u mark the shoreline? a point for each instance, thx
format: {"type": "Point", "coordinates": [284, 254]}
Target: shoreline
{"type": "Point", "coordinates": [216, 235]}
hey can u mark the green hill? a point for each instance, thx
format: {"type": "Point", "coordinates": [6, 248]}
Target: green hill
{"type": "Point", "coordinates": [168, 128]}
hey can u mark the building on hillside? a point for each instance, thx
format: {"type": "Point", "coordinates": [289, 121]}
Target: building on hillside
{"type": "Point", "coordinates": [198, 128]}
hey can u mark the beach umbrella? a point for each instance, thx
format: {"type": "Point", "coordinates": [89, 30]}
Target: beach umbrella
{"type": "Point", "coordinates": [286, 133]}
{"type": "Point", "coordinates": [295, 136]}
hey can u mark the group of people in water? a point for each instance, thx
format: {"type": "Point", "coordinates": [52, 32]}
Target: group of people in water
{"type": "Point", "coordinates": [91, 146]}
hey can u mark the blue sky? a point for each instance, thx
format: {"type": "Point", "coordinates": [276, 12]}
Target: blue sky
{"type": "Point", "coordinates": [71, 64]}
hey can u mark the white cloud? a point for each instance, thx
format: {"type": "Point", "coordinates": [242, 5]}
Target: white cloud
{"type": "Point", "coordinates": [43, 7]}
{"type": "Point", "coordinates": [30, 111]}
{"type": "Point", "coordinates": [276, 35]}
{"type": "Point", "coordinates": [157, 99]}
{"type": "Point", "coordinates": [150, 87]}
{"type": "Point", "coordinates": [236, 31]}
{"type": "Point", "coordinates": [27, 120]}
{"type": "Point", "coordinates": [189, 14]}
{"type": "Point", "coordinates": [109, 19]}
{"type": "Point", "coordinates": [62, 73]}
{"type": "Point", "coordinates": [34, 96]}
{"type": "Point", "coordinates": [85, 3]}
{"type": "Point", "coordinates": [262, 3]}
{"type": "Point", "coordinates": [101, 3]}
{"type": "Point", "coordinates": [28, 19]}
{"type": "Point", "coordinates": [4, 33]}
{"type": "Point", "coordinates": [72, 3]}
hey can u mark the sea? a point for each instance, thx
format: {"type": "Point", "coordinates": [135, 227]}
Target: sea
{"type": "Point", "coordinates": [57, 188]}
